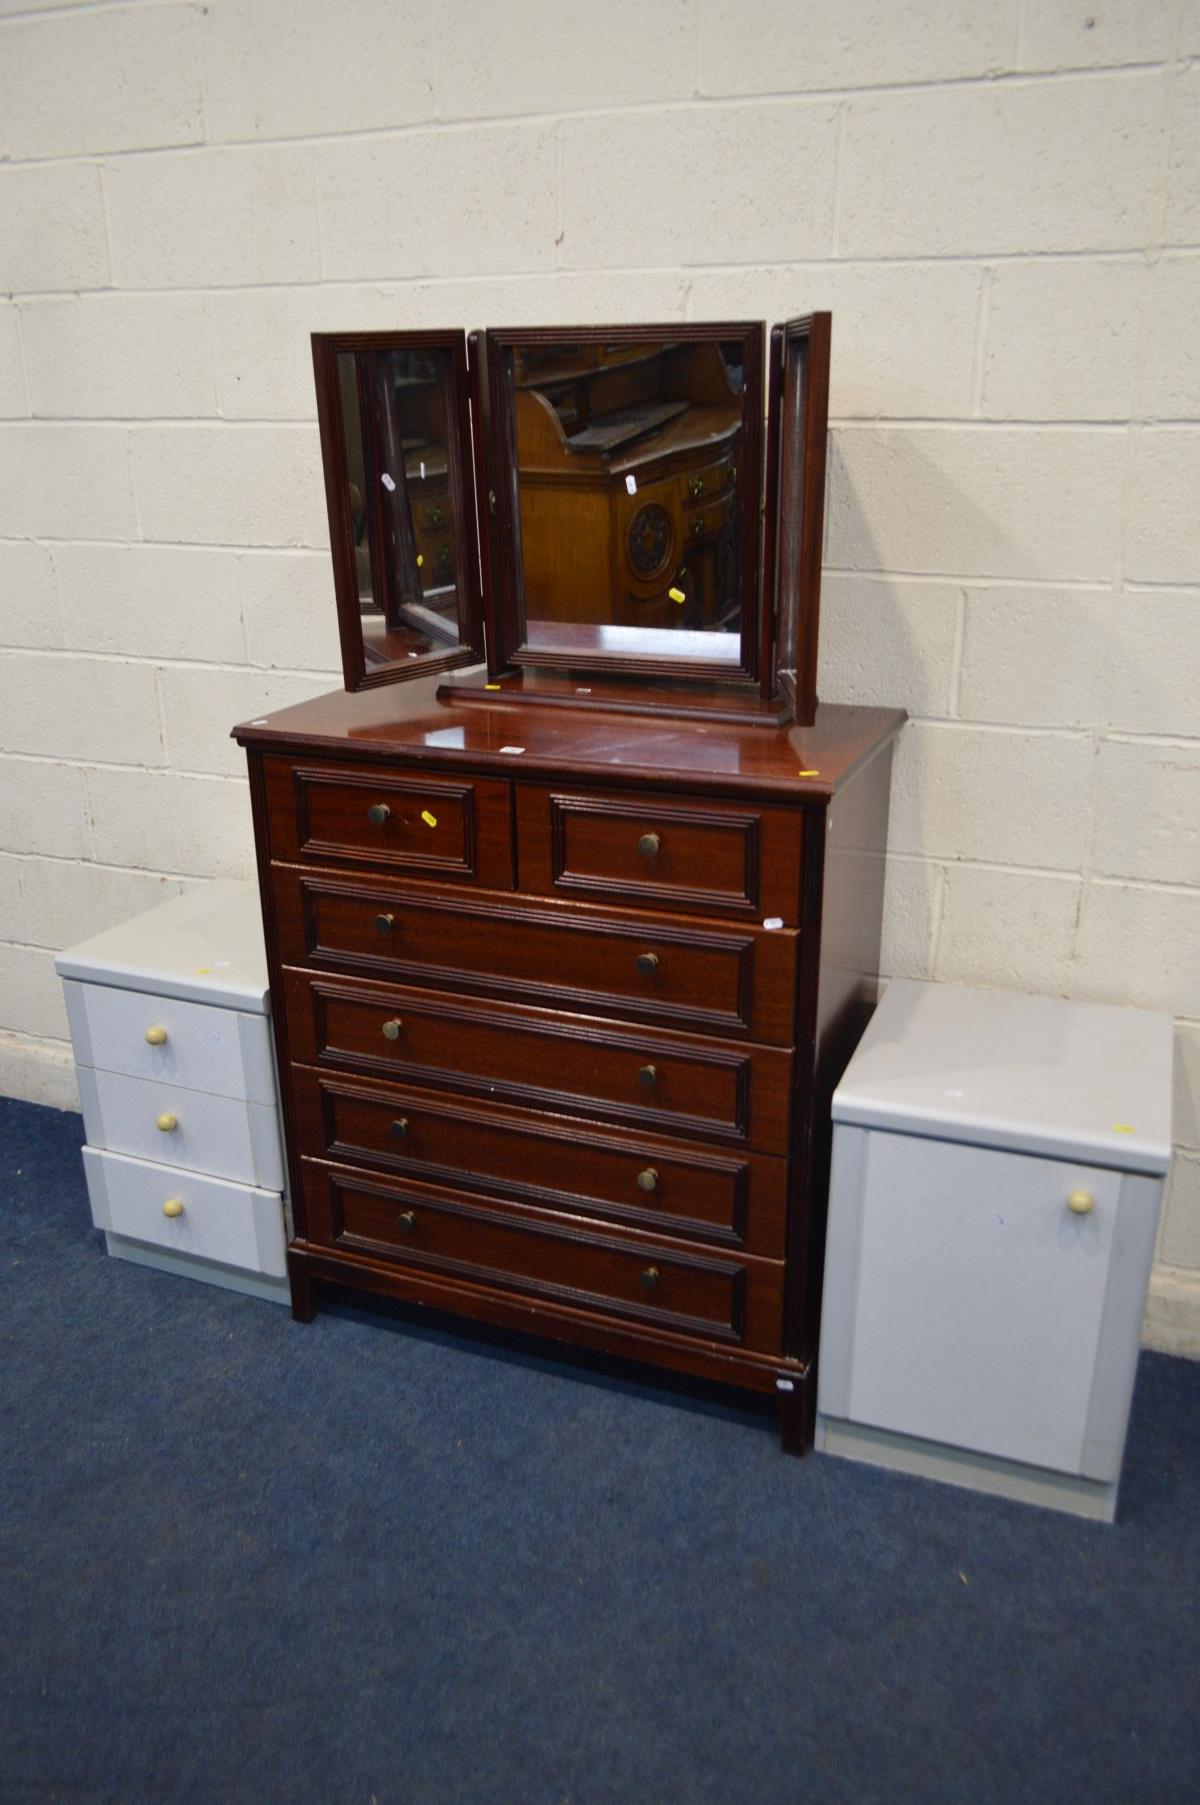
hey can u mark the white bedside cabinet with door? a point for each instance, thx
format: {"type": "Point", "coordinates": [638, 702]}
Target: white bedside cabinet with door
{"type": "Point", "coordinates": [998, 1169]}
{"type": "Point", "coordinates": [169, 1018]}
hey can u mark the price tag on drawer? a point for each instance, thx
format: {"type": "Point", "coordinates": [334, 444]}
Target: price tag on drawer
{"type": "Point", "coordinates": [773, 921]}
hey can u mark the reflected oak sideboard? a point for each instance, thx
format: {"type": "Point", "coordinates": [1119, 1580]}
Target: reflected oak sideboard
{"type": "Point", "coordinates": [561, 1000]}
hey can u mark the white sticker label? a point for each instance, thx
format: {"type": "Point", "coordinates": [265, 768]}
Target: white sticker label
{"type": "Point", "coordinates": [631, 483]}
{"type": "Point", "coordinates": [422, 473]}
{"type": "Point", "coordinates": [388, 484]}
{"type": "Point", "coordinates": [773, 921]}
{"type": "Point", "coordinates": [513, 749]}
{"type": "Point", "coordinates": [583, 692]}
{"type": "Point", "coordinates": [785, 1385]}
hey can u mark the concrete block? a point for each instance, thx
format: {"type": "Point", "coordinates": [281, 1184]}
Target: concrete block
{"type": "Point", "coordinates": [566, 56]}
{"type": "Point", "coordinates": [289, 612]}
{"type": "Point", "coordinates": [1071, 165]}
{"type": "Point", "coordinates": [781, 47]}
{"type": "Point", "coordinates": [673, 187]}
{"type": "Point", "coordinates": [1180, 1243]}
{"type": "Point", "coordinates": [29, 607]}
{"type": "Point", "coordinates": [912, 903]}
{"type": "Point", "coordinates": [163, 821]}
{"type": "Point", "coordinates": [930, 309]}
{"type": "Point", "coordinates": [1062, 340]}
{"type": "Point", "coordinates": [230, 485]}
{"type": "Point", "coordinates": [976, 501]}
{"type": "Point", "coordinates": [66, 902]}
{"type": "Point", "coordinates": [40, 1071]}
{"type": "Point", "coordinates": [31, 996]}
{"type": "Point", "coordinates": [1147, 812]}
{"type": "Point", "coordinates": [121, 78]}
{"type": "Point", "coordinates": [212, 218]}
{"type": "Point", "coordinates": [14, 402]}
{"type": "Point", "coordinates": [1087, 37]}
{"type": "Point", "coordinates": [151, 601]}
{"type": "Point", "coordinates": [54, 234]}
{"type": "Point", "coordinates": [426, 203]}
{"type": "Point", "coordinates": [1172, 378]}
{"type": "Point", "coordinates": [43, 808]}
{"type": "Point", "coordinates": [201, 705]}
{"type": "Point", "coordinates": [66, 482]}
{"type": "Point", "coordinates": [1139, 944]}
{"type": "Point", "coordinates": [276, 70]}
{"type": "Point", "coordinates": [1163, 535]}
{"type": "Point", "coordinates": [1035, 657]}
{"type": "Point", "coordinates": [58, 705]}
{"type": "Point", "coordinates": [13, 925]}
{"type": "Point", "coordinates": [1182, 224]}
{"type": "Point", "coordinates": [119, 356]}
{"type": "Point", "coordinates": [887, 641]}
{"type": "Point", "coordinates": [1154, 672]}
{"type": "Point", "coordinates": [1014, 930]}
{"type": "Point", "coordinates": [1186, 1111]}
{"type": "Point", "coordinates": [998, 797]}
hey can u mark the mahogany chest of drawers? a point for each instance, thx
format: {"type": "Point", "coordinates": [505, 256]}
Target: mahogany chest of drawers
{"type": "Point", "coordinates": [561, 1000]}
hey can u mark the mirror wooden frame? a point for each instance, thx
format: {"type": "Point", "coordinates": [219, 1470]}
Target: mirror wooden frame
{"type": "Point", "coordinates": [327, 347]}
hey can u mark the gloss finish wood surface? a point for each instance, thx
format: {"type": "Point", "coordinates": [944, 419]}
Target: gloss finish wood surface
{"type": "Point", "coordinates": [677, 973]}
{"type": "Point", "coordinates": [515, 1058]}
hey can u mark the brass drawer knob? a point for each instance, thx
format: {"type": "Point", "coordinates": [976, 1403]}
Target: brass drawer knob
{"type": "Point", "coordinates": [1080, 1202]}
{"type": "Point", "coordinates": [391, 1030]}
{"type": "Point", "coordinates": [647, 963]}
{"type": "Point", "coordinates": [648, 1279]}
{"type": "Point", "coordinates": [648, 845]}
{"type": "Point", "coordinates": [435, 516]}
{"type": "Point", "coordinates": [166, 1122]}
{"type": "Point", "coordinates": [647, 1179]}
{"type": "Point", "coordinates": [647, 1076]}
{"type": "Point", "coordinates": [399, 1127]}
{"type": "Point", "coordinates": [378, 813]}
{"type": "Point", "coordinates": [698, 527]}
{"type": "Point", "coordinates": [156, 1037]}
{"type": "Point", "coordinates": [385, 923]}
{"type": "Point", "coordinates": [407, 1221]}
{"type": "Point", "coordinates": [695, 485]}
{"type": "Point", "coordinates": [173, 1207]}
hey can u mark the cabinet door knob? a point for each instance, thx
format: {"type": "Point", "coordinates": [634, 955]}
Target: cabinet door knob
{"type": "Point", "coordinates": [647, 1076]}
{"type": "Point", "coordinates": [647, 963]}
{"type": "Point", "coordinates": [695, 486]}
{"type": "Point", "coordinates": [166, 1121]}
{"type": "Point", "coordinates": [648, 845]}
{"type": "Point", "coordinates": [156, 1037]}
{"type": "Point", "coordinates": [649, 1278]}
{"type": "Point", "coordinates": [1079, 1202]}
{"type": "Point", "coordinates": [647, 1179]}
{"type": "Point", "coordinates": [385, 923]}
{"type": "Point", "coordinates": [407, 1221]}
{"type": "Point", "coordinates": [378, 813]}
{"type": "Point", "coordinates": [173, 1206]}
{"type": "Point", "coordinates": [391, 1030]}
{"type": "Point", "coordinates": [399, 1127]}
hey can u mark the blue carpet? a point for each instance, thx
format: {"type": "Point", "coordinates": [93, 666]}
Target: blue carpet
{"type": "Point", "coordinates": [375, 1562]}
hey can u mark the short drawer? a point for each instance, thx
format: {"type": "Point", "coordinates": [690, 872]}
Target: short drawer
{"type": "Point", "coordinates": [673, 1084]}
{"type": "Point", "coordinates": [191, 1045]}
{"type": "Point", "coordinates": [431, 827]}
{"type": "Point", "coordinates": [208, 1217]}
{"type": "Point", "coordinates": [661, 851]}
{"type": "Point", "coordinates": [738, 1200]}
{"type": "Point", "coordinates": [224, 1136]}
{"type": "Point", "coordinates": [721, 1299]}
{"type": "Point", "coordinates": [714, 979]}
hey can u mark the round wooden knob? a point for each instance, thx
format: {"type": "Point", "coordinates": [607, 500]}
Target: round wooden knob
{"type": "Point", "coordinates": [1080, 1202]}
{"type": "Point", "coordinates": [156, 1036]}
{"type": "Point", "coordinates": [385, 923]}
{"type": "Point", "coordinates": [399, 1127]}
{"type": "Point", "coordinates": [647, 1179]}
{"type": "Point", "coordinates": [173, 1206]}
{"type": "Point", "coordinates": [391, 1030]}
{"type": "Point", "coordinates": [647, 1076]}
{"type": "Point", "coordinates": [649, 1278]}
{"type": "Point", "coordinates": [647, 963]}
{"type": "Point", "coordinates": [407, 1221]}
{"type": "Point", "coordinates": [378, 813]}
{"type": "Point", "coordinates": [648, 845]}
{"type": "Point", "coordinates": [166, 1121]}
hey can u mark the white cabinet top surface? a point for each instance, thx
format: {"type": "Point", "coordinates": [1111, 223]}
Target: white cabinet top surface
{"type": "Point", "coordinates": [206, 946]}
{"type": "Point", "coordinates": [1084, 1081]}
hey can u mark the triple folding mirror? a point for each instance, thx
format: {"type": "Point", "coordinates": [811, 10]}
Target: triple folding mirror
{"type": "Point", "coordinates": [650, 505]}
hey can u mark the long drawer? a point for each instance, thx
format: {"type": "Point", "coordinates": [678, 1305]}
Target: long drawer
{"type": "Point", "coordinates": [680, 974]}
{"type": "Point", "coordinates": [224, 1136]}
{"type": "Point", "coordinates": [717, 1298]}
{"type": "Point", "coordinates": [568, 1064]}
{"type": "Point", "coordinates": [210, 1218]}
{"type": "Point", "coordinates": [668, 1188]}
{"type": "Point", "coordinates": [192, 1045]}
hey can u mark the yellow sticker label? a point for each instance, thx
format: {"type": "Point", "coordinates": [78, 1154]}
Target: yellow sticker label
{"type": "Point", "coordinates": [420, 559]}
{"type": "Point", "coordinates": [491, 686]}
{"type": "Point", "coordinates": [808, 774]}
{"type": "Point", "coordinates": [202, 971]}
{"type": "Point", "coordinates": [1122, 1127]}
{"type": "Point", "coordinates": [428, 819]}
{"type": "Point", "coordinates": [677, 595]}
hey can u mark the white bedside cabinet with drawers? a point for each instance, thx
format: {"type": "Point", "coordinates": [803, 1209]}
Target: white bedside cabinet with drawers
{"type": "Point", "coordinates": [998, 1170]}
{"type": "Point", "coordinates": [169, 1018]}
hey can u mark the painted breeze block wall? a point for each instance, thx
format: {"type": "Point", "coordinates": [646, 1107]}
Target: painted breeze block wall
{"type": "Point", "coordinates": [1000, 201]}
